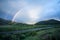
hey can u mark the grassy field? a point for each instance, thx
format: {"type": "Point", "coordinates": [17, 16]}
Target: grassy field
{"type": "Point", "coordinates": [33, 35]}
{"type": "Point", "coordinates": [21, 27]}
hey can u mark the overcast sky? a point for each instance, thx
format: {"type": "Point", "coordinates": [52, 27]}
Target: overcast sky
{"type": "Point", "coordinates": [29, 11]}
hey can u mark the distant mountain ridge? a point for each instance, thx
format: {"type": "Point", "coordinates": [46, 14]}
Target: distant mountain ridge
{"type": "Point", "coordinates": [9, 22]}
{"type": "Point", "coordinates": [51, 21]}
{"type": "Point", "coordinates": [46, 22]}
{"type": "Point", "coordinates": [4, 22]}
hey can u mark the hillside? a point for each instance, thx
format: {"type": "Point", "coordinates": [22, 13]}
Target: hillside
{"type": "Point", "coordinates": [4, 22]}
{"type": "Point", "coordinates": [9, 22]}
{"type": "Point", "coordinates": [46, 22]}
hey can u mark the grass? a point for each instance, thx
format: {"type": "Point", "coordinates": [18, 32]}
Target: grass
{"type": "Point", "coordinates": [33, 35]}
{"type": "Point", "coordinates": [40, 34]}
{"type": "Point", "coordinates": [20, 27]}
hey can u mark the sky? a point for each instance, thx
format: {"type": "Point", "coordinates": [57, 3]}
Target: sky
{"type": "Point", "coordinates": [29, 11]}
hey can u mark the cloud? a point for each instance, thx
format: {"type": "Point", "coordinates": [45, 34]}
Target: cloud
{"type": "Point", "coordinates": [29, 13]}
{"type": "Point", "coordinates": [33, 10]}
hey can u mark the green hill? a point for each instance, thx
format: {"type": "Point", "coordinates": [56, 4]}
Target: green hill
{"type": "Point", "coordinates": [47, 22]}
{"type": "Point", "coordinates": [9, 22]}
{"type": "Point", "coordinates": [4, 22]}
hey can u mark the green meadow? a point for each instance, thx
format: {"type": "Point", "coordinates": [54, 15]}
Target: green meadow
{"type": "Point", "coordinates": [20, 27]}
{"type": "Point", "coordinates": [44, 34]}
{"type": "Point", "coordinates": [44, 30]}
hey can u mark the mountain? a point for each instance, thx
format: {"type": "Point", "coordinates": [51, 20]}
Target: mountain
{"type": "Point", "coordinates": [9, 22]}
{"type": "Point", "coordinates": [47, 22]}
{"type": "Point", "coordinates": [4, 22]}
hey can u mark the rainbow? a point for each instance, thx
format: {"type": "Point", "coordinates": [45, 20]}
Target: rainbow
{"type": "Point", "coordinates": [16, 15]}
